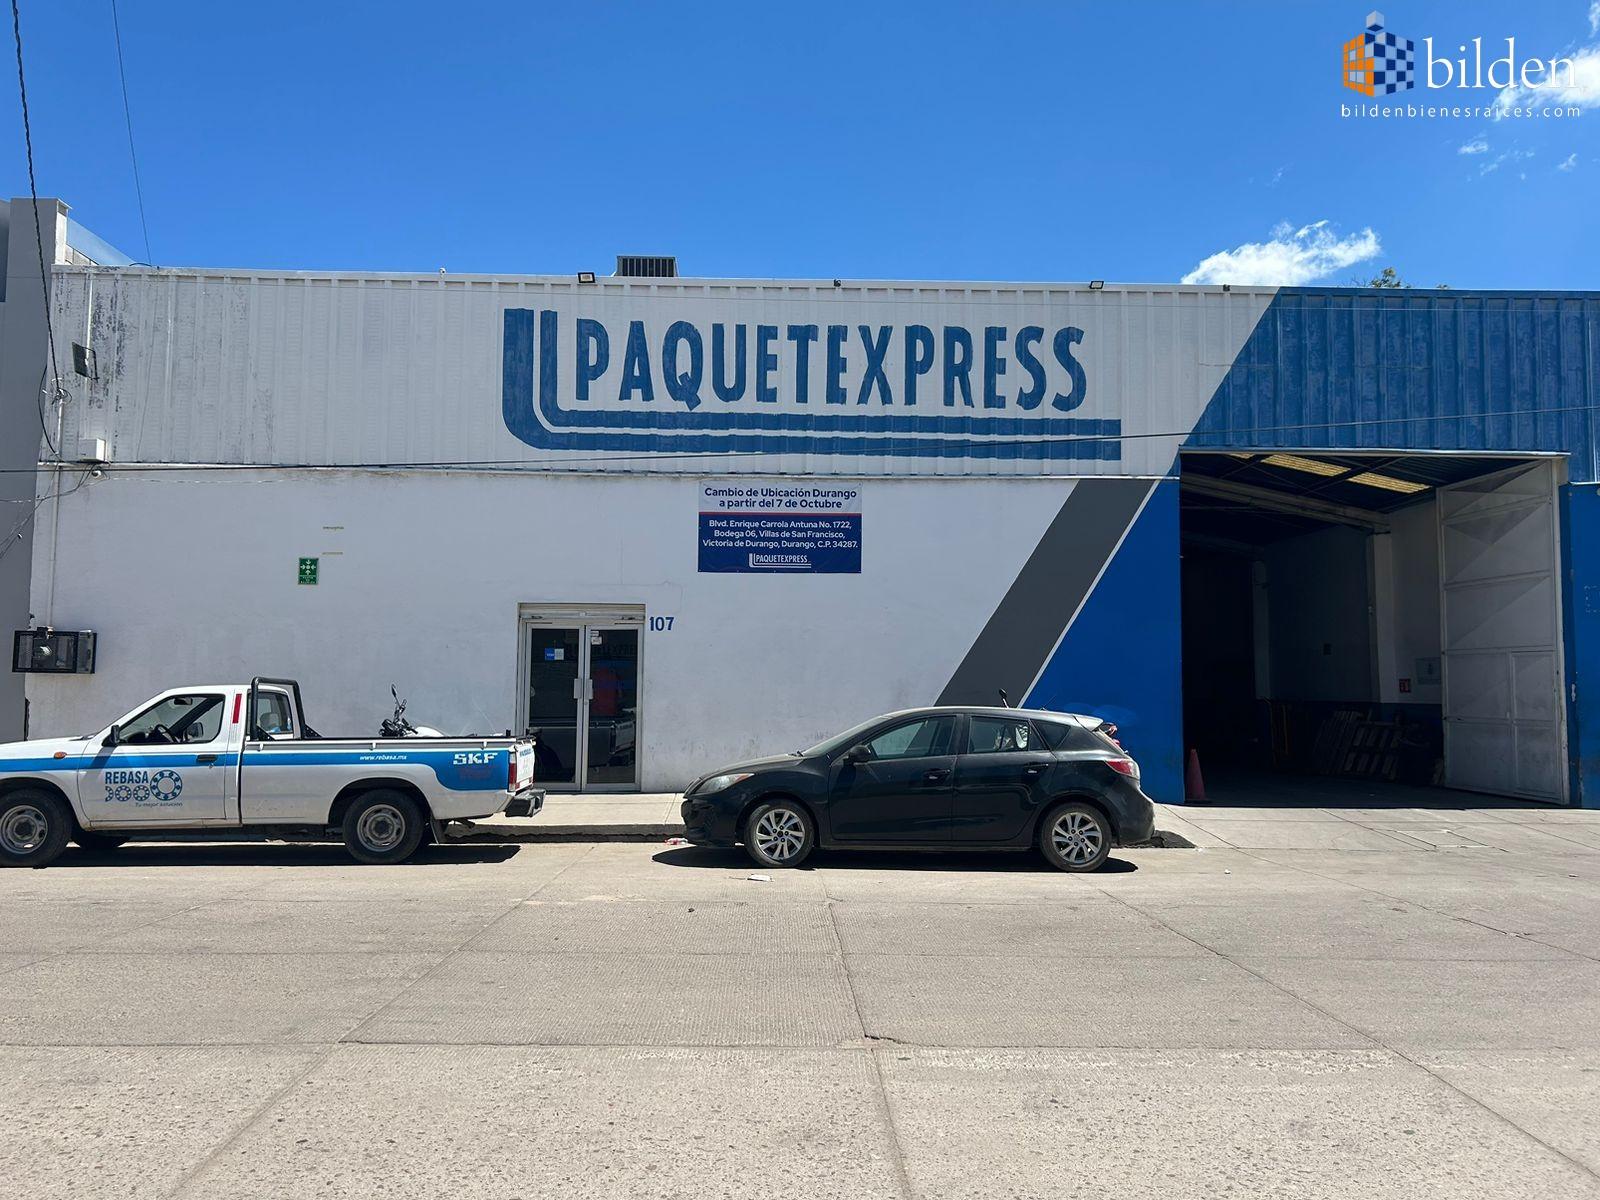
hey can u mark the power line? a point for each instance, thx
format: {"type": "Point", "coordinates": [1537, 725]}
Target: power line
{"type": "Point", "coordinates": [127, 113]}
{"type": "Point", "coordinates": [38, 235]}
{"type": "Point", "coordinates": [1220, 439]}
{"type": "Point", "coordinates": [15, 535]}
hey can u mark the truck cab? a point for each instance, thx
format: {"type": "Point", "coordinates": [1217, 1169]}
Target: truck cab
{"type": "Point", "coordinates": [242, 756]}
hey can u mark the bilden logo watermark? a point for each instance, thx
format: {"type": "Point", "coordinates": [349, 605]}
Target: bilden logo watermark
{"type": "Point", "coordinates": [1379, 63]}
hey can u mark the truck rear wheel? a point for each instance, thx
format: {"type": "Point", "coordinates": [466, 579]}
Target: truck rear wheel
{"type": "Point", "coordinates": [34, 827]}
{"type": "Point", "coordinates": [383, 827]}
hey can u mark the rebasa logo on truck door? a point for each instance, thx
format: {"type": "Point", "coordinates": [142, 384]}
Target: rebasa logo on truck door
{"type": "Point", "coordinates": [143, 787]}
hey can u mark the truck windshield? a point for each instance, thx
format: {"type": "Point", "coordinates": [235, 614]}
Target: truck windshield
{"type": "Point", "coordinates": [190, 718]}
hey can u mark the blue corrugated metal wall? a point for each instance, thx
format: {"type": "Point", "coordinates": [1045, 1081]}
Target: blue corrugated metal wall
{"type": "Point", "coordinates": [1352, 369]}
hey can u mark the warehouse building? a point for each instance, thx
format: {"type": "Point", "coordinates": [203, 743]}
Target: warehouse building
{"type": "Point", "coordinates": [670, 522]}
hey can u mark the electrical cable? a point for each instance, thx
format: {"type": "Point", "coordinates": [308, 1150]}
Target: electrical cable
{"type": "Point", "coordinates": [557, 465]}
{"type": "Point", "coordinates": [127, 113]}
{"type": "Point", "coordinates": [15, 535]}
{"type": "Point", "coordinates": [38, 234]}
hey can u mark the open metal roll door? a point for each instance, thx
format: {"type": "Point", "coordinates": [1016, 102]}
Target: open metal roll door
{"type": "Point", "coordinates": [1499, 560]}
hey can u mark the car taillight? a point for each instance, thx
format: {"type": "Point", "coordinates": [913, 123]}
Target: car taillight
{"type": "Point", "coordinates": [511, 772]}
{"type": "Point", "coordinates": [1123, 766]}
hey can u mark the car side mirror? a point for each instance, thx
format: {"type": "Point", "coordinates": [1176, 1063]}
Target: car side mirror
{"type": "Point", "coordinates": [857, 754]}
{"type": "Point", "coordinates": [113, 736]}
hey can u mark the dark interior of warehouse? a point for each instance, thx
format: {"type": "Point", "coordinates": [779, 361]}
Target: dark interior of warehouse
{"type": "Point", "coordinates": [1311, 589]}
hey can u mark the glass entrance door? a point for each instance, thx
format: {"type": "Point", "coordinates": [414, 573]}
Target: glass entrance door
{"type": "Point", "coordinates": [611, 730]}
{"type": "Point", "coordinates": [554, 670]}
{"type": "Point", "coordinates": [581, 701]}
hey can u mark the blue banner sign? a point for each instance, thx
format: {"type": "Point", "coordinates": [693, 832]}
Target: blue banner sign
{"type": "Point", "coordinates": [777, 528]}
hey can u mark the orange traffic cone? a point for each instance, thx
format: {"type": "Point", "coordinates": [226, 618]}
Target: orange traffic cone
{"type": "Point", "coordinates": [1194, 784]}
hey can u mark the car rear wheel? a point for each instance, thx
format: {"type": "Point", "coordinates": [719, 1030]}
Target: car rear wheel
{"type": "Point", "coordinates": [779, 834]}
{"type": "Point", "coordinates": [383, 827]}
{"type": "Point", "coordinates": [1075, 837]}
{"type": "Point", "coordinates": [34, 827]}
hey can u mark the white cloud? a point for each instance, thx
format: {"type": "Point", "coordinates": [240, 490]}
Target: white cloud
{"type": "Point", "coordinates": [1290, 256]}
{"type": "Point", "coordinates": [1594, 17]}
{"type": "Point", "coordinates": [1578, 88]}
{"type": "Point", "coordinates": [1509, 156]}
{"type": "Point", "coordinates": [1478, 145]}
{"type": "Point", "coordinates": [1571, 160]}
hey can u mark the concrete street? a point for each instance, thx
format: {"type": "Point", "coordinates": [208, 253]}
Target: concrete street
{"type": "Point", "coordinates": [1292, 1012]}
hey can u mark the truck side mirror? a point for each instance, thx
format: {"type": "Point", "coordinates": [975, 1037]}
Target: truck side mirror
{"type": "Point", "coordinates": [113, 736]}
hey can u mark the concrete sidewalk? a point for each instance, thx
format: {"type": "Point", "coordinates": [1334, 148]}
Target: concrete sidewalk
{"type": "Point", "coordinates": [636, 817]}
{"type": "Point", "coordinates": [1303, 815]}
{"type": "Point", "coordinates": [1488, 825]}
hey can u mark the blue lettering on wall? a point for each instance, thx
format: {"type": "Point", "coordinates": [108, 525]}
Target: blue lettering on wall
{"type": "Point", "coordinates": [994, 366]}
{"type": "Point", "coordinates": [835, 393]}
{"type": "Point", "coordinates": [591, 336]}
{"type": "Point", "coordinates": [547, 409]}
{"type": "Point", "coordinates": [919, 357]}
{"type": "Point", "coordinates": [766, 364]}
{"type": "Point", "coordinates": [1065, 340]}
{"type": "Point", "coordinates": [684, 387]}
{"type": "Point", "coordinates": [1027, 337]}
{"type": "Point", "coordinates": [719, 373]}
{"type": "Point", "coordinates": [636, 366]}
{"type": "Point", "coordinates": [957, 365]}
{"type": "Point", "coordinates": [802, 336]}
{"type": "Point", "coordinates": [873, 375]}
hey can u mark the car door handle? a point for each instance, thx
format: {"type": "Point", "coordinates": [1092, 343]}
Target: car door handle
{"type": "Point", "coordinates": [204, 759]}
{"type": "Point", "coordinates": [935, 775]}
{"type": "Point", "coordinates": [1035, 768]}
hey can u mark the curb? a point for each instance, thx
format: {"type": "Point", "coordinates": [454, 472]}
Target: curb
{"type": "Point", "coordinates": [499, 833]}
{"type": "Point", "coordinates": [504, 833]}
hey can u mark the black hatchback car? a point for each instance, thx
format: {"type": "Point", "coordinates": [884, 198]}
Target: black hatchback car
{"type": "Point", "coordinates": [933, 779]}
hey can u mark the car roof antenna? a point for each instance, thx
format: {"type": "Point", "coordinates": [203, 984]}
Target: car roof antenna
{"type": "Point", "coordinates": [1004, 703]}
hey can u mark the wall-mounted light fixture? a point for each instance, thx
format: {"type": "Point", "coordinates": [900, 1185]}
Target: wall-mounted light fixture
{"type": "Point", "coordinates": [53, 652]}
{"type": "Point", "coordinates": [1097, 285]}
{"type": "Point", "coordinates": [585, 276]}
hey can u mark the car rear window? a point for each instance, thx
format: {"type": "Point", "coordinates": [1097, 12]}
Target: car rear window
{"type": "Point", "coordinates": [1060, 735]}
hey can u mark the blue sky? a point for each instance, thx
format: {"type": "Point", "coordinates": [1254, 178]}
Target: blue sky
{"type": "Point", "coordinates": [1125, 141]}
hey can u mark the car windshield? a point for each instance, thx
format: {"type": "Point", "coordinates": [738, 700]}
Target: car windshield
{"type": "Point", "coordinates": [841, 741]}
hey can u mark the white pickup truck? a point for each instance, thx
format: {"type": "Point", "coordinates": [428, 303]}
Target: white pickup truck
{"type": "Point", "coordinates": [240, 756]}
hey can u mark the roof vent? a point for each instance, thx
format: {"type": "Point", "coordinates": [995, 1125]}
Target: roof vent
{"type": "Point", "coordinates": [648, 266]}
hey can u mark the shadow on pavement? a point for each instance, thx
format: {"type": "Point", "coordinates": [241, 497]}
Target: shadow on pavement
{"type": "Point", "coordinates": [268, 854]}
{"type": "Point", "coordinates": [1022, 863]}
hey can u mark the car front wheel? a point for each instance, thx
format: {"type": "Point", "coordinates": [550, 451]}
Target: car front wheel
{"type": "Point", "coordinates": [779, 834]}
{"type": "Point", "coordinates": [1075, 837]}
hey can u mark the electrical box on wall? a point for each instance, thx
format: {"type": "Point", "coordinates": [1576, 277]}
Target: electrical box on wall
{"type": "Point", "coordinates": [53, 651]}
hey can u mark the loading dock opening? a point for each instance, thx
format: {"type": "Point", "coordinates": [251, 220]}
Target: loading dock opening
{"type": "Point", "coordinates": [1393, 618]}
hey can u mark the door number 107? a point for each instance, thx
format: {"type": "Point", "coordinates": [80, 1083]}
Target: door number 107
{"type": "Point", "coordinates": [660, 624]}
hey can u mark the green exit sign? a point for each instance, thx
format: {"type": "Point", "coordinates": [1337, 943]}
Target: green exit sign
{"type": "Point", "coordinates": [308, 570]}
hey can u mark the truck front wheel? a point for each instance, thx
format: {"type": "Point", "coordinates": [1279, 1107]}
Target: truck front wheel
{"type": "Point", "coordinates": [34, 827]}
{"type": "Point", "coordinates": [383, 827]}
